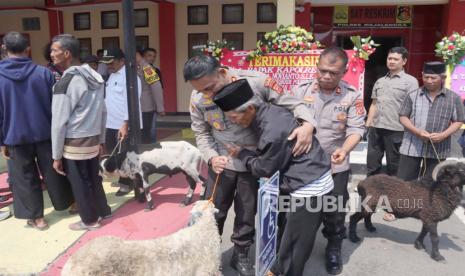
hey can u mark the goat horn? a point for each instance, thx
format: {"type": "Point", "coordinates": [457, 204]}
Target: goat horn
{"type": "Point", "coordinates": [440, 166]}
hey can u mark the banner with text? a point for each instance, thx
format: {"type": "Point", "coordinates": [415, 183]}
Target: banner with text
{"type": "Point", "coordinates": [290, 70]}
{"type": "Point", "coordinates": [372, 16]}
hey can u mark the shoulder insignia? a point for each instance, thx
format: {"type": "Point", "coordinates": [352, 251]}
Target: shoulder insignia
{"type": "Point", "coordinates": [273, 85]}
{"type": "Point", "coordinates": [359, 108]}
{"type": "Point", "coordinates": [150, 75]}
{"type": "Point", "coordinates": [309, 99]}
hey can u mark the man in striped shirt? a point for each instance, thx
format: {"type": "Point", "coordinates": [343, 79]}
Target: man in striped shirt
{"type": "Point", "coordinates": [430, 115]}
{"type": "Point", "coordinates": [306, 178]}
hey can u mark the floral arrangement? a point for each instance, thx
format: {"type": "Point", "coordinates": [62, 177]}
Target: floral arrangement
{"type": "Point", "coordinates": [363, 47]}
{"type": "Point", "coordinates": [286, 39]}
{"type": "Point", "coordinates": [451, 49]}
{"type": "Point", "coordinates": [217, 48]}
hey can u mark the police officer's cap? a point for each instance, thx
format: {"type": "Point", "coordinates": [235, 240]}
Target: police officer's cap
{"type": "Point", "coordinates": [109, 55]}
{"type": "Point", "coordinates": [434, 67]}
{"type": "Point", "coordinates": [233, 95]}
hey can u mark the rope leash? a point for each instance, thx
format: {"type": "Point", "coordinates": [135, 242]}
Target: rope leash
{"type": "Point", "coordinates": [118, 146]}
{"type": "Point", "coordinates": [210, 200]}
{"type": "Point", "coordinates": [214, 187]}
{"type": "Point", "coordinates": [424, 157]}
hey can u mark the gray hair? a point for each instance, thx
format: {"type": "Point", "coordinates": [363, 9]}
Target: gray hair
{"type": "Point", "coordinates": [68, 42]}
{"type": "Point", "coordinates": [15, 42]}
{"type": "Point", "coordinates": [255, 101]}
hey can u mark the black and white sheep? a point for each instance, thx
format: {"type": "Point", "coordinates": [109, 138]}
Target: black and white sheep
{"type": "Point", "coordinates": [430, 202]}
{"type": "Point", "coordinates": [164, 158]}
{"type": "Point", "coordinates": [194, 250]}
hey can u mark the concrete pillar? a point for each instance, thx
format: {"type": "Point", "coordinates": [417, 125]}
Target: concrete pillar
{"type": "Point", "coordinates": [286, 12]}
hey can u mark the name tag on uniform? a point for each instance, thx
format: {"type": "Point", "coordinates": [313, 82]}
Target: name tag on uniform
{"type": "Point", "coordinates": [210, 108]}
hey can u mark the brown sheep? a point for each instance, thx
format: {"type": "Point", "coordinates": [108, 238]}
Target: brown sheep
{"type": "Point", "coordinates": [429, 202]}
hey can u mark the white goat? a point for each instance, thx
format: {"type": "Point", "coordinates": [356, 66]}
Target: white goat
{"type": "Point", "coordinates": [194, 250]}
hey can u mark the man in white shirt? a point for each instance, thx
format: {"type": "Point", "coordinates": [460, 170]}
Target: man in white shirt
{"type": "Point", "coordinates": [117, 107]}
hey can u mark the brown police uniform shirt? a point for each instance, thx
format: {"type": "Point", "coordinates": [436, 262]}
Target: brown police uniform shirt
{"type": "Point", "coordinates": [337, 116]}
{"type": "Point", "coordinates": [151, 98]}
{"type": "Point", "coordinates": [213, 130]}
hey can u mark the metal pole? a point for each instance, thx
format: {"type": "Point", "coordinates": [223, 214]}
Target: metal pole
{"type": "Point", "coordinates": [131, 73]}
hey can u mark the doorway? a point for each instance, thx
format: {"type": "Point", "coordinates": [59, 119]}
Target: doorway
{"type": "Point", "coordinates": [375, 67]}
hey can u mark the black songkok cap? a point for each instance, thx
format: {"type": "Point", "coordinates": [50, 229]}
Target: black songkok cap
{"type": "Point", "coordinates": [233, 95]}
{"type": "Point", "coordinates": [434, 67]}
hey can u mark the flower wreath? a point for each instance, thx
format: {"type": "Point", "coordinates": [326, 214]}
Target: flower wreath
{"type": "Point", "coordinates": [363, 47]}
{"type": "Point", "coordinates": [286, 39]}
{"type": "Point", "coordinates": [451, 49]}
{"type": "Point", "coordinates": [218, 48]}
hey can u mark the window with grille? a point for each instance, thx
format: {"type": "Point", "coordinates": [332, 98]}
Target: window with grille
{"type": "Point", "coordinates": [82, 21]}
{"type": "Point", "coordinates": [195, 43]}
{"type": "Point", "coordinates": [142, 42]}
{"type": "Point", "coordinates": [110, 42]}
{"type": "Point", "coordinates": [233, 14]}
{"type": "Point", "coordinates": [266, 13]}
{"type": "Point", "coordinates": [85, 47]}
{"type": "Point", "coordinates": [141, 18]}
{"type": "Point", "coordinates": [236, 40]}
{"type": "Point", "coordinates": [31, 24]}
{"type": "Point", "coordinates": [110, 20]}
{"type": "Point", "coordinates": [197, 15]}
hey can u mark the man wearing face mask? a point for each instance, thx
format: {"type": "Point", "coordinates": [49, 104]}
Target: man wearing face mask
{"type": "Point", "coordinates": [340, 115]}
{"type": "Point", "coordinates": [213, 131]}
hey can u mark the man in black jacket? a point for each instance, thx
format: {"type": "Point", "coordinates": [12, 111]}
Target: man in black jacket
{"type": "Point", "coordinates": [304, 178]}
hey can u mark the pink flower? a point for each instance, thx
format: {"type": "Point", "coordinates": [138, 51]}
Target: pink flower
{"type": "Point", "coordinates": [451, 47]}
{"type": "Point", "coordinates": [452, 38]}
{"type": "Point", "coordinates": [314, 46]}
{"type": "Point", "coordinates": [263, 48]}
{"type": "Point", "coordinates": [284, 44]}
{"type": "Point", "coordinates": [365, 47]}
{"type": "Point", "coordinates": [275, 46]}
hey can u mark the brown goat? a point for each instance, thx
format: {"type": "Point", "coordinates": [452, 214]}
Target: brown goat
{"type": "Point", "coordinates": [429, 202]}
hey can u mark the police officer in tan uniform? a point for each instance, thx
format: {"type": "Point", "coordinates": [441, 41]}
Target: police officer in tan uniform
{"type": "Point", "coordinates": [151, 99]}
{"type": "Point", "coordinates": [340, 115]}
{"type": "Point", "coordinates": [213, 131]}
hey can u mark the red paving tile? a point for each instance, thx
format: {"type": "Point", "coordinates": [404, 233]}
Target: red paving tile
{"type": "Point", "coordinates": [131, 221]}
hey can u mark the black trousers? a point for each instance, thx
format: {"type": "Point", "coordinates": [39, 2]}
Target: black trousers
{"type": "Point", "coordinates": [25, 163]}
{"type": "Point", "coordinates": [87, 188]}
{"type": "Point", "coordinates": [240, 188]}
{"type": "Point", "coordinates": [297, 231]}
{"type": "Point", "coordinates": [411, 168]}
{"type": "Point", "coordinates": [147, 120]}
{"type": "Point", "coordinates": [380, 141]}
{"type": "Point", "coordinates": [333, 221]}
{"type": "Point", "coordinates": [111, 140]}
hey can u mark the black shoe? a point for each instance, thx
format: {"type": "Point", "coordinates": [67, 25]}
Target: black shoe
{"type": "Point", "coordinates": [123, 191]}
{"type": "Point", "coordinates": [241, 263]}
{"type": "Point", "coordinates": [333, 261]}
